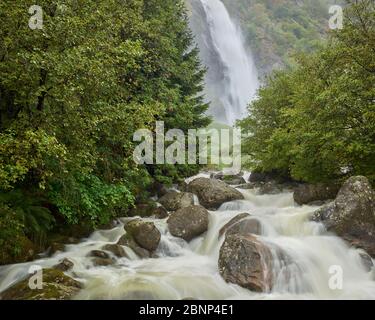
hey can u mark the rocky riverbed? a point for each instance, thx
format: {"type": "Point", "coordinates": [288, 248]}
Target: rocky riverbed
{"type": "Point", "coordinates": [219, 237]}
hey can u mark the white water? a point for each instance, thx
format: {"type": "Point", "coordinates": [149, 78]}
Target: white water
{"type": "Point", "coordinates": [240, 80]}
{"type": "Point", "coordinates": [190, 269]}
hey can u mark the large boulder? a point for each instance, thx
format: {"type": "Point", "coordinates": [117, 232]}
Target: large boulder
{"type": "Point", "coordinates": [247, 262]}
{"type": "Point", "coordinates": [145, 234]}
{"type": "Point", "coordinates": [308, 193]}
{"type": "Point", "coordinates": [231, 179]}
{"type": "Point", "coordinates": [188, 223]}
{"type": "Point", "coordinates": [174, 200]}
{"type": "Point", "coordinates": [56, 286]}
{"type": "Point", "coordinates": [126, 240]}
{"type": "Point", "coordinates": [213, 193]}
{"type": "Point", "coordinates": [352, 214]}
{"type": "Point", "coordinates": [232, 222]}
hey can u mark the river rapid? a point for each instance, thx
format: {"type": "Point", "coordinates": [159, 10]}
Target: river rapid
{"type": "Point", "coordinates": [190, 270]}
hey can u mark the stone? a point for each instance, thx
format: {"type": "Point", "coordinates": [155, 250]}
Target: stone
{"type": "Point", "coordinates": [213, 193]}
{"type": "Point", "coordinates": [145, 234]}
{"type": "Point", "coordinates": [352, 214]}
{"type": "Point", "coordinates": [64, 265]}
{"type": "Point", "coordinates": [307, 193]}
{"type": "Point", "coordinates": [174, 200]}
{"type": "Point", "coordinates": [188, 223]}
{"type": "Point", "coordinates": [56, 286]}
{"type": "Point", "coordinates": [116, 249]}
{"type": "Point", "coordinates": [247, 262]}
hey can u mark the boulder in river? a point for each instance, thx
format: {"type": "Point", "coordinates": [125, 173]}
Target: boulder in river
{"type": "Point", "coordinates": [116, 250]}
{"type": "Point", "coordinates": [247, 262]}
{"type": "Point", "coordinates": [145, 234]}
{"type": "Point", "coordinates": [188, 223]}
{"type": "Point", "coordinates": [160, 213]}
{"type": "Point", "coordinates": [233, 221]}
{"type": "Point", "coordinates": [231, 179]}
{"type": "Point", "coordinates": [308, 193]}
{"type": "Point", "coordinates": [64, 265]}
{"type": "Point", "coordinates": [128, 241]}
{"type": "Point", "coordinates": [213, 193]}
{"type": "Point", "coordinates": [56, 286]}
{"type": "Point", "coordinates": [352, 214]}
{"type": "Point", "coordinates": [174, 200]}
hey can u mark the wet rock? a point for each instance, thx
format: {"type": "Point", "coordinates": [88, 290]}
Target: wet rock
{"type": "Point", "coordinates": [247, 262]}
{"type": "Point", "coordinates": [261, 177]}
{"type": "Point", "coordinates": [366, 261]}
{"type": "Point", "coordinates": [188, 223]}
{"type": "Point", "coordinates": [145, 234]}
{"type": "Point", "coordinates": [231, 179]}
{"type": "Point", "coordinates": [213, 193]}
{"type": "Point", "coordinates": [233, 221]}
{"type": "Point", "coordinates": [160, 213]}
{"type": "Point", "coordinates": [116, 249]}
{"type": "Point", "coordinates": [56, 286]}
{"type": "Point", "coordinates": [270, 188]}
{"type": "Point", "coordinates": [174, 200]}
{"type": "Point", "coordinates": [99, 254]}
{"type": "Point", "coordinates": [125, 240]}
{"type": "Point", "coordinates": [64, 265]}
{"type": "Point", "coordinates": [102, 262]}
{"type": "Point", "coordinates": [352, 214]}
{"type": "Point", "coordinates": [245, 227]}
{"type": "Point", "coordinates": [307, 193]}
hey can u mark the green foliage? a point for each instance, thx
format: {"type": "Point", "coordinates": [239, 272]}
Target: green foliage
{"type": "Point", "coordinates": [277, 29]}
{"type": "Point", "coordinates": [29, 211]}
{"type": "Point", "coordinates": [73, 93]}
{"type": "Point", "coordinates": [317, 119]}
{"type": "Point", "coordinates": [11, 233]}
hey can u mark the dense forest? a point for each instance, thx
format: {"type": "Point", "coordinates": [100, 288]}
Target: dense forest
{"type": "Point", "coordinates": [275, 30]}
{"type": "Point", "coordinates": [71, 96]}
{"type": "Point", "coordinates": [315, 121]}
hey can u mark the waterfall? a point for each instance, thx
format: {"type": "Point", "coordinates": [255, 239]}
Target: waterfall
{"type": "Point", "coordinates": [231, 80]}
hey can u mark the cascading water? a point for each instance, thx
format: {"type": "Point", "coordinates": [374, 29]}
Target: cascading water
{"type": "Point", "coordinates": [184, 269]}
{"type": "Point", "coordinates": [231, 80]}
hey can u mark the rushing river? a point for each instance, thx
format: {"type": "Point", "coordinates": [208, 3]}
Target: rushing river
{"type": "Point", "coordinates": [185, 270]}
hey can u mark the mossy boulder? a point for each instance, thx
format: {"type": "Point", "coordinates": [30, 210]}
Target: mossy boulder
{"type": "Point", "coordinates": [56, 286]}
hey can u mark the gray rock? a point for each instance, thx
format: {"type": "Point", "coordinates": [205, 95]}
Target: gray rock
{"type": "Point", "coordinates": [98, 254]}
{"type": "Point", "coordinates": [125, 240]}
{"type": "Point", "coordinates": [307, 193]}
{"type": "Point", "coordinates": [116, 249]}
{"type": "Point", "coordinates": [247, 262]}
{"type": "Point", "coordinates": [213, 193]}
{"type": "Point", "coordinates": [145, 234]}
{"type": "Point", "coordinates": [56, 286]}
{"type": "Point", "coordinates": [64, 265]}
{"type": "Point", "coordinates": [233, 221]}
{"type": "Point", "coordinates": [174, 200]}
{"type": "Point", "coordinates": [160, 213]}
{"type": "Point", "coordinates": [102, 262]}
{"type": "Point", "coordinates": [352, 214]}
{"type": "Point", "coordinates": [188, 223]}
